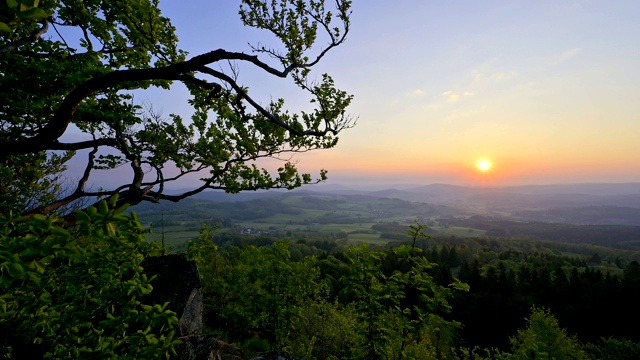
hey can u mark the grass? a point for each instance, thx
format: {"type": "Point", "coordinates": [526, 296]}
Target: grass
{"type": "Point", "coordinates": [328, 228]}
{"type": "Point", "coordinates": [173, 235]}
{"type": "Point", "coordinates": [373, 239]}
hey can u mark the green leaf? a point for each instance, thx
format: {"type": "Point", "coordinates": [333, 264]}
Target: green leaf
{"type": "Point", "coordinates": [12, 4]}
{"type": "Point", "coordinates": [34, 13]}
{"type": "Point", "coordinates": [15, 270]}
{"type": "Point", "coordinates": [111, 229]}
{"type": "Point", "coordinates": [4, 27]}
{"type": "Point", "coordinates": [28, 3]}
{"type": "Point", "coordinates": [122, 208]}
{"type": "Point", "coordinates": [81, 216]}
{"type": "Point", "coordinates": [60, 232]}
{"type": "Point", "coordinates": [113, 201]}
{"type": "Point", "coordinates": [92, 211]}
{"type": "Point", "coordinates": [103, 207]}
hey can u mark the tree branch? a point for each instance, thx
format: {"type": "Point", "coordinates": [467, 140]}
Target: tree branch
{"type": "Point", "coordinates": [83, 144]}
{"type": "Point", "coordinates": [77, 194]}
{"type": "Point", "coordinates": [54, 129]}
{"type": "Point", "coordinates": [261, 110]}
{"type": "Point", "coordinates": [25, 40]}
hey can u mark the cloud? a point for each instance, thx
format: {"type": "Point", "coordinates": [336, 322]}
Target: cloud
{"type": "Point", "coordinates": [479, 75]}
{"type": "Point", "coordinates": [417, 93]}
{"type": "Point", "coordinates": [453, 96]}
{"type": "Point", "coordinates": [490, 71]}
{"type": "Point", "coordinates": [566, 55]}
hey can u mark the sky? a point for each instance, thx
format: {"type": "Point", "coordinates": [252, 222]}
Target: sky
{"type": "Point", "coordinates": [546, 91]}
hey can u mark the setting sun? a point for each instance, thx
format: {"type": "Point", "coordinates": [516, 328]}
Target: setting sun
{"type": "Point", "coordinates": [483, 165]}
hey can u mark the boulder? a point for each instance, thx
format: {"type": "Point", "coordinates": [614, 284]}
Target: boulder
{"type": "Point", "coordinates": [177, 281]}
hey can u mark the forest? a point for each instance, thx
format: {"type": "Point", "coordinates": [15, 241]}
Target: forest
{"type": "Point", "coordinates": [421, 295]}
{"type": "Point", "coordinates": [493, 286]}
{"type": "Point", "coordinates": [324, 276]}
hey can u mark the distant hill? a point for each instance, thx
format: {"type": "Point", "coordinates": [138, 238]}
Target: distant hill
{"type": "Point", "coordinates": [299, 207]}
{"type": "Point", "coordinates": [517, 198]}
{"type": "Point", "coordinates": [590, 215]}
{"type": "Point", "coordinates": [616, 236]}
{"type": "Point", "coordinates": [595, 204]}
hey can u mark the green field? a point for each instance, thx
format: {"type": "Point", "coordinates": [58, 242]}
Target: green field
{"type": "Point", "coordinates": [173, 236]}
{"type": "Point", "coordinates": [290, 215]}
{"type": "Point", "coordinates": [375, 239]}
{"type": "Point", "coordinates": [312, 216]}
{"type": "Point", "coordinates": [356, 233]}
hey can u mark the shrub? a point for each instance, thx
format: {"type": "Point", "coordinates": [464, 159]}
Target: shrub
{"type": "Point", "coordinates": [75, 293]}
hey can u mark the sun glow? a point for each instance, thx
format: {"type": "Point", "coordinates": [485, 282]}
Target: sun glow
{"type": "Point", "coordinates": [484, 165]}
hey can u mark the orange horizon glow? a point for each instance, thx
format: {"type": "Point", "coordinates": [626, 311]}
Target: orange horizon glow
{"type": "Point", "coordinates": [507, 169]}
{"type": "Point", "coordinates": [414, 170]}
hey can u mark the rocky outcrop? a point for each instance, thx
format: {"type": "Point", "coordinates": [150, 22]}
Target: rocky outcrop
{"type": "Point", "coordinates": [177, 281]}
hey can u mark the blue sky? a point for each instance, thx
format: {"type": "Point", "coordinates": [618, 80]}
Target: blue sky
{"type": "Point", "coordinates": [549, 91]}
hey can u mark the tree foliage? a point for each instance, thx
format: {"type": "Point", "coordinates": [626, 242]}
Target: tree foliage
{"type": "Point", "coordinates": [259, 295]}
{"type": "Point", "coordinates": [63, 96]}
{"type": "Point", "coordinates": [545, 339]}
{"type": "Point", "coordinates": [72, 294]}
{"type": "Point", "coordinates": [254, 292]}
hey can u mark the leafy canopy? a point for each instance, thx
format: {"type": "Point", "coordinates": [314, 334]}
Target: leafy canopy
{"type": "Point", "coordinates": [77, 294]}
{"type": "Point", "coordinates": [70, 67]}
{"type": "Point", "coordinates": [259, 296]}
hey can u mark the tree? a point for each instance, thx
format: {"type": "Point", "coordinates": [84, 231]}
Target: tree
{"type": "Point", "coordinates": [545, 339]}
{"type": "Point", "coordinates": [257, 293]}
{"type": "Point", "coordinates": [399, 314]}
{"type": "Point", "coordinates": [53, 86]}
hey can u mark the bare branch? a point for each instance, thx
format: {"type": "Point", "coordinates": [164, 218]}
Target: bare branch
{"type": "Point", "coordinates": [87, 38]}
{"type": "Point", "coordinates": [77, 194]}
{"type": "Point", "coordinates": [60, 35]}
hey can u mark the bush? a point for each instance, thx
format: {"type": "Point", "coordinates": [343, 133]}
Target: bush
{"type": "Point", "coordinates": [325, 330]}
{"type": "Point", "coordinates": [74, 294]}
{"type": "Point", "coordinates": [544, 339]}
{"type": "Point", "coordinates": [614, 349]}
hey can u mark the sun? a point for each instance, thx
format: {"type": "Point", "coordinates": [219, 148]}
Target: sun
{"type": "Point", "coordinates": [484, 165]}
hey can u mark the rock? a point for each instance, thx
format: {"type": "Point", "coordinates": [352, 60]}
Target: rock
{"type": "Point", "coordinates": [176, 278]}
{"type": "Point", "coordinates": [177, 282]}
{"type": "Point", "coordinates": [191, 319]}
